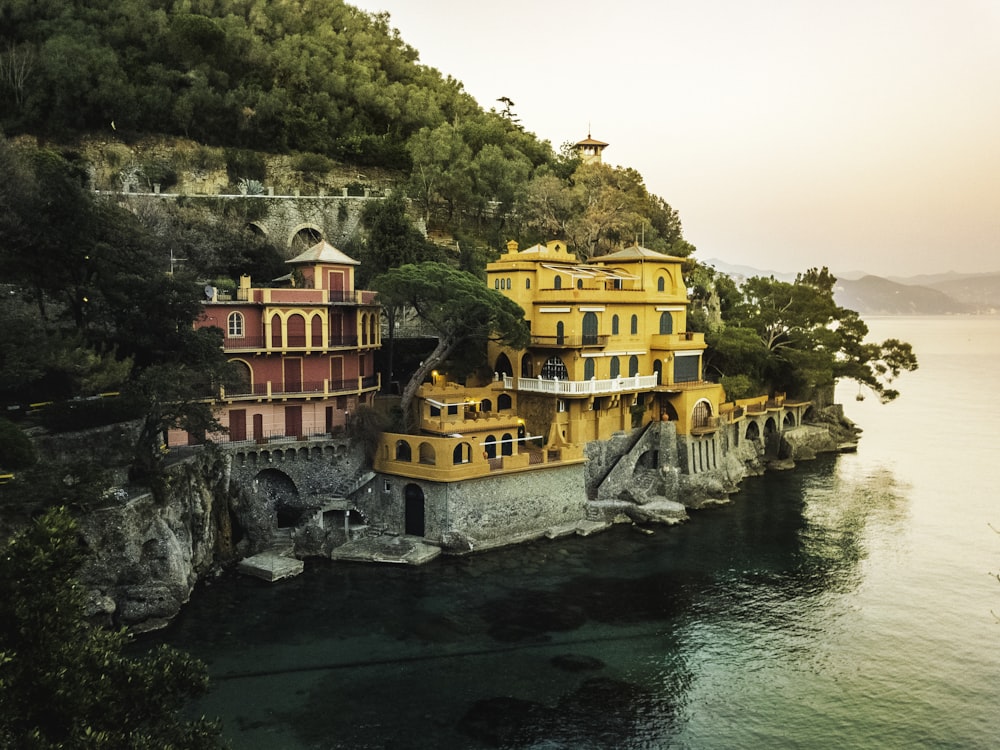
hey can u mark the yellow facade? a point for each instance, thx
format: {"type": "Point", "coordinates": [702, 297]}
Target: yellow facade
{"type": "Point", "coordinates": [609, 347]}
{"type": "Point", "coordinates": [609, 352]}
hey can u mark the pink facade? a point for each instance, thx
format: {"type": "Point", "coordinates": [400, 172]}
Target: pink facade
{"type": "Point", "coordinates": [306, 354]}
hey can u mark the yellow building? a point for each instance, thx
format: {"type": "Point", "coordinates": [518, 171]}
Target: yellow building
{"type": "Point", "coordinates": [609, 345]}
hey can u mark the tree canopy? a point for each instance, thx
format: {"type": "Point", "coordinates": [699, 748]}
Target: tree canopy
{"type": "Point", "coordinates": [67, 684]}
{"type": "Point", "coordinates": [793, 338]}
{"type": "Point", "coordinates": [97, 309]}
{"type": "Point", "coordinates": [459, 308]}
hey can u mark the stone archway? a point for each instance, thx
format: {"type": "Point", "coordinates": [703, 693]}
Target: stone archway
{"type": "Point", "coordinates": [282, 496]}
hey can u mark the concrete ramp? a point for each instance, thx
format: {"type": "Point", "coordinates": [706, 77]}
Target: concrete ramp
{"type": "Point", "coordinates": [401, 550]}
{"type": "Point", "coordinates": [270, 566]}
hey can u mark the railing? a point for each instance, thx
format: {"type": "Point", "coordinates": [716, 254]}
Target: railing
{"type": "Point", "coordinates": [262, 343]}
{"type": "Point", "coordinates": [570, 341]}
{"type": "Point", "coordinates": [305, 388]}
{"type": "Point", "coordinates": [580, 387]}
{"type": "Point", "coordinates": [705, 424]}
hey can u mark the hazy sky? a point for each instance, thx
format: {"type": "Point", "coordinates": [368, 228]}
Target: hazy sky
{"type": "Point", "coordinates": [861, 134]}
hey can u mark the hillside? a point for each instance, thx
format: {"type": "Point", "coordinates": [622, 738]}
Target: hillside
{"type": "Point", "coordinates": [874, 295]}
{"type": "Point", "coordinates": [980, 292]}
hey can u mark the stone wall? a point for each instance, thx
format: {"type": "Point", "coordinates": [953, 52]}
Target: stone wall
{"type": "Point", "coordinates": [487, 512]}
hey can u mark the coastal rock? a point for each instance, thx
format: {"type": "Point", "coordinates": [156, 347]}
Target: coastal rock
{"type": "Point", "coordinates": [657, 510]}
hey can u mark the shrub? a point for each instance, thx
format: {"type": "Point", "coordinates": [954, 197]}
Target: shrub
{"type": "Point", "coordinates": [244, 164]}
{"type": "Point", "coordinates": [16, 450]}
{"type": "Point", "coordinates": [311, 163]}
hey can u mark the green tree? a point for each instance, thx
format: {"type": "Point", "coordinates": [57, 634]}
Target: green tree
{"type": "Point", "coordinates": [457, 306]}
{"type": "Point", "coordinates": [67, 684]}
{"type": "Point", "coordinates": [440, 173]}
{"type": "Point", "coordinates": [794, 338]}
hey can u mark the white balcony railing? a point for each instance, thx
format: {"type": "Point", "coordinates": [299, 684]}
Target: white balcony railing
{"type": "Point", "coordinates": [580, 387]}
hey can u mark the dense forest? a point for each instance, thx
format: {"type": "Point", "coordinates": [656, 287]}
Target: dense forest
{"type": "Point", "coordinates": [321, 79]}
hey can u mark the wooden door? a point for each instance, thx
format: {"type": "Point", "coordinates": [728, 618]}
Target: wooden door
{"type": "Point", "coordinates": [237, 424]}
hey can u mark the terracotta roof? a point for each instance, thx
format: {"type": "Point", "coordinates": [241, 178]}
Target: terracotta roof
{"type": "Point", "coordinates": [588, 141]}
{"type": "Point", "coordinates": [324, 252]}
{"type": "Point", "coordinates": [636, 252]}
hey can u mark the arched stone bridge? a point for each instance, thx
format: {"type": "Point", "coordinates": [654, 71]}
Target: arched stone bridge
{"type": "Point", "coordinates": [294, 222]}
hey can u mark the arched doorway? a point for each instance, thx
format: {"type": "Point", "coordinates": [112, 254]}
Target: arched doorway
{"type": "Point", "coordinates": [413, 497]}
{"type": "Point", "coordinates": [282, 495]}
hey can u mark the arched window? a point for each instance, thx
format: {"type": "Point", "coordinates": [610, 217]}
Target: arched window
{"type": "Point", "coordinates": [701, 415]}
{"type": "Point", "coordinates": [508, 283]}
{"type": "Point", "coordinates": [243, 377]}
{"type": "Point", "coordinates": [316, 336]}
{"type": "Point", "coordinates": [502, 366]}
{"type": "Point", "coordinates": [560, 333]}
{"type": "Point", "coordinates": [633, 366]}
{"type": "Point", "coordinates": [462, 454]}
{"type": "Point", "coordinates": [427, 454]}
{"type": "Point", "coordinates": [614, 325]}
{"type": "Point", "coordinates": [236, 324]}
{"type": "Point", "coordinates": [589, 328]}
{"type": "Point", "coordinates": [635, 324]}
{"type": "Point", "coordinates": [276, 331]}
{"type": "Point", "coordinates": [554, 368]}
{"type": "Point", "coordinates": [403, 451]}
{"type": "Point", "coordinates": [485, 405]}
{"type": "Point", "coordinates": [588, 368]}
{"type": "Point", "coordinates": [496, 283]}
{"type": "Point", "coordinates": [557, 284]}
{"type": "Point", "coordinates": [527, 371]}
{"type": "Point", "coordinates": [527, 283]}
{"type": "Point", "coordinates": [579, 283]}
{"type": "Point", "coordinates": [615, 367]}
{"type": "Point", "coordinates": [504, 402]}
{"type": "Point", "coordinates": [490, 446]}
{"type": "Point", "coordinates": [666, 323]}
{"type": "Point", "coordinates": [658, 371]}
{"type": "Point", "coordinates": [661, 284]}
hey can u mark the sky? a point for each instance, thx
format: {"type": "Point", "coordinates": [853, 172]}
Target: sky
{"type": "Point", "coordinates": [861, 135]}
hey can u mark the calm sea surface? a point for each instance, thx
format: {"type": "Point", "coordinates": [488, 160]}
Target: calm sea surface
{"type": "Point", "coordinates": [847, 604]}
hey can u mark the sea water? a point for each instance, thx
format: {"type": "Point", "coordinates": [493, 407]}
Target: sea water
{"type": "Point", "coordinates": [848, 603]}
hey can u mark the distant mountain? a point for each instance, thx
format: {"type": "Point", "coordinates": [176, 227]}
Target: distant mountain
{"type": "Point", "coordinates": [938, 294]}
{"type": "Point", "coordinates": [739, 272]}
{"type": "Point", "coordinates": [873, 295]}
{"type": "Point", "coordinates": [981, 292]}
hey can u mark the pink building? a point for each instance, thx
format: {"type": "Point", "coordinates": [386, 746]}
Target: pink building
{"type": "Point", "coordinates": [306, 351]}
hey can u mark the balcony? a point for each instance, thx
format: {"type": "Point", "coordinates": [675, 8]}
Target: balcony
{"type": "Point", "coordinates": [263, 344]}
{"type": "Point", "coordinates": [705, 425]}
{"type": "Point", "coordinates": [580, 387]}
{"type": "Point", "coordinates": [570, 342]}
{"type": "Point", "coordinates": [308, 389]}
